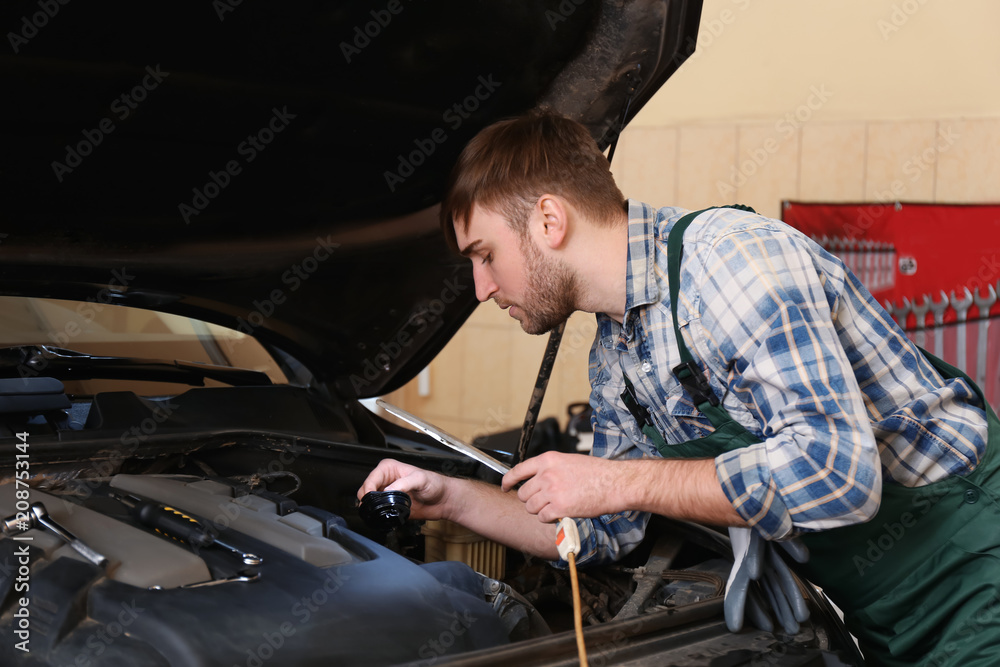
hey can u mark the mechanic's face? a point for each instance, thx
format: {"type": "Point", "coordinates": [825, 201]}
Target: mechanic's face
{"type": "Point", "coordinates": [538, 292]}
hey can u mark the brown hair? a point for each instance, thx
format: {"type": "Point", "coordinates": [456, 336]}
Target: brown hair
{"type": "Point", "coordinates": [510, 164]}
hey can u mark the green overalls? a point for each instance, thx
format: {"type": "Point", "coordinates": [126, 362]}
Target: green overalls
{"type": "Point", "coordinates": [920, 582]}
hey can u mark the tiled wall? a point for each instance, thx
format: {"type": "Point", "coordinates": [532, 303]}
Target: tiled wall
{"type": "Point", "coordinates": [481, 381]}
{"type": "Point", "coordinates": [948, 160]}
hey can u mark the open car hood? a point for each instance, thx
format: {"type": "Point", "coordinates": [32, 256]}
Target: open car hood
{"type": "Point", "coordinates": [276, 169]}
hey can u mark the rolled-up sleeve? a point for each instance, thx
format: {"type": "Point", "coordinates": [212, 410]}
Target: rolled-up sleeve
{"type": "Point", "coordinates": [768, 322]}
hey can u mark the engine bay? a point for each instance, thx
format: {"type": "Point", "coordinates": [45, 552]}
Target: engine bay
{"type": "Point", "coordinates": [226, 546]}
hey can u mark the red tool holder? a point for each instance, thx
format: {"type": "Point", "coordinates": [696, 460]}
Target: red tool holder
{"type": "Point", "coordinates": [935, 268]}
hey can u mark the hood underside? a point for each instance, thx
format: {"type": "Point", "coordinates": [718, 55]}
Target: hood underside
{"type": "Point", "coordinates": [276, 169]}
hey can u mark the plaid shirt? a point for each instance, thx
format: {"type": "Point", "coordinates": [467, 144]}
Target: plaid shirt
{"type": "Point", "coordinates": [799, 353]}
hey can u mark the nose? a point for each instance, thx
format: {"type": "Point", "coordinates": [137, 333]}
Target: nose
{"type": "Point", "coordinates": [485, 287]}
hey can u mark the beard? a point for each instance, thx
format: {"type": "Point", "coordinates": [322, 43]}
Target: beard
{"type": "Point", "coordinates": [550, 296]}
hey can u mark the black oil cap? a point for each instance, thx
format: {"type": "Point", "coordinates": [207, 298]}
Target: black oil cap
{"type": "Point", "coordinates": [385, 510]}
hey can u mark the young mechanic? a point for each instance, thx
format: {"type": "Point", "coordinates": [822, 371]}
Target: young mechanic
{"type": "Point", "coordinates": [804, 411]}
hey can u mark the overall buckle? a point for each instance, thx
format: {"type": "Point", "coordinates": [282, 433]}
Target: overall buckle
{"type": "Point", "coordinates": [695, 383]}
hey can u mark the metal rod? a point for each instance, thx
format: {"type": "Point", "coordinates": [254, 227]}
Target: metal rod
{"type": "Point", "coordinates": [535, 403]}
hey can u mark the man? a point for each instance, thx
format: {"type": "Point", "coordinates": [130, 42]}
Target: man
{"type": "Point", "coordinates": [803, 410]}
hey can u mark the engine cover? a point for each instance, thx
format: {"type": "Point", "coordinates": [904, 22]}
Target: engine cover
{"type": "Point", "coordinates": [321, 595]}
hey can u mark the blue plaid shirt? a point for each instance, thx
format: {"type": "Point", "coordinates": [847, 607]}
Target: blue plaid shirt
{"type": "Point", "coordinates": [799, 353]}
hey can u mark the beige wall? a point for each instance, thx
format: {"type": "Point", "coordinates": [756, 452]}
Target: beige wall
{"type": "Point", "coordinates": [857, 100]}
{"type": "Point", "coordinates": [879, 59]}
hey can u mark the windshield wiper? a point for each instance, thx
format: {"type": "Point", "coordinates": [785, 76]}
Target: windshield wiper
{"type": "Point", "coordinates": [63, 364]}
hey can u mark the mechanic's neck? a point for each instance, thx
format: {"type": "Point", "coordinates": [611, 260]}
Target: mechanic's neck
{"type": "Point", "coordinates": [601, 266]}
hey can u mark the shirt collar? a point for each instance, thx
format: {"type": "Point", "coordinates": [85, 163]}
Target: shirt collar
{"type": "Point", "coordinates": [640, 278]}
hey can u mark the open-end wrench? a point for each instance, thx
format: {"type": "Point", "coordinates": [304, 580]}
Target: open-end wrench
{"type": "Point", "coordinates": [983, 304]}
{"type": "Point", "coordinates": [868, 253]}
{"type": "Point", "coordinates": [851, 255]}
{"type": "Point", "coordinates": [937, 309]}
{"type": "Point", "coordinates": [898, 312]}
{"type": "Point", "coordinates": [38, 517]}
{"type": "Point", "coordinates": [921, 312]}
{"type": "Point", "coordinates": [961, 307]}
{"type": "Point", "coordinates": [884, 265]}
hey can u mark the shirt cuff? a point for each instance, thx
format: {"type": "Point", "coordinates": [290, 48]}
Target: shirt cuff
{"type": "Point", "coordinates": [746, 480]}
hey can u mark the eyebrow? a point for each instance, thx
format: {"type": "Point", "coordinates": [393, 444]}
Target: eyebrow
{"type": "Point", "coordinates": [468, 250]}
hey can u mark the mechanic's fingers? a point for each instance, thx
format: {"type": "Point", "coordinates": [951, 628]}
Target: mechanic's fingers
{"type": "Point", "coordinates": [384, 473]}
{"type": "Point", "coordinates": [406, 484]}
{"type": "Point", "coordinates": [519, 473]}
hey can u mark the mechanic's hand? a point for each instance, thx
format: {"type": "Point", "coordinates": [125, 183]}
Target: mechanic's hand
{"type": "Point", "coordinates": [427, 490]}
{"type": "Point", "coordinates": [568, 485]}
{"type": "Point", "coordinates": [759, 560]}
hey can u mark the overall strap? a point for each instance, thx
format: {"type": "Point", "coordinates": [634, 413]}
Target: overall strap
{"type": "Point", "coordinates": [728, 433]}
{"type": "Point", "coordinates": [687, 372]}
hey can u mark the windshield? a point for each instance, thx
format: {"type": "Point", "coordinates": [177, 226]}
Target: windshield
{"type": "Point", "coordinates": [121, 331]}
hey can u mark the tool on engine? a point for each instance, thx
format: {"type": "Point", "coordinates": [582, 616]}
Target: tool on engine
{"type": "Point", "coordinates": [568, 545]}
{"type": "Point", "coordinates": [38, 517]}
{"type": "Point", "coordinates": [177, 525]}
{"type": "Point", "coordinates": [384, 510]}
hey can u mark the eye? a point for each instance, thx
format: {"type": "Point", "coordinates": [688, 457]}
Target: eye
{"type": "Point", "coordinates": [487, 258]}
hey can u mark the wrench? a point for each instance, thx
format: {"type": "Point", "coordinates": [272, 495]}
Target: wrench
{"type": "Point", "coordinates": [937, 309]}
{"type": "Point", "coordinates": [983, 304]}
{"type": "Point", "coordinates": [877, 262]}
{"type": "Point", "coordinates": [869, 258]}
{"type": "Point", "coordinates": [850, 252]}
{"type": "Point", "coordinates": [961, 307]}
{"type": "Point", "coordinates": [38, 517]}
{"type": "Point", "coordinates": [898, 313]}
{"type": "Point", "coordinates": [921, 313]}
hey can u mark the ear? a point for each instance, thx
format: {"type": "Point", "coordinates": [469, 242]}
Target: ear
{"type": "Point", "coordinates": [555, 220]}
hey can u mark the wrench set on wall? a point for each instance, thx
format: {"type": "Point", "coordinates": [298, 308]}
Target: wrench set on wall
{"type": "Point", "coordinates": [957, 326]}
{"type": "Point", "coordinates": [874, 262]}
{"type": "Point", "coordinates": [970, 340]}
